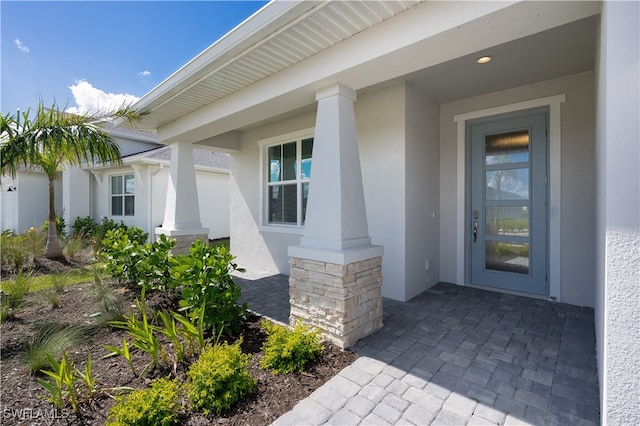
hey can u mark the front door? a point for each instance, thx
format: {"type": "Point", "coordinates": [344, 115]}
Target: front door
{"type": "Point", "coordinates": [508, 214]}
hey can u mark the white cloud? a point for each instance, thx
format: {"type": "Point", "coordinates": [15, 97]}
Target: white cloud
{"type": "Point", "coordinates": [21, 45]}
{"type": "Point", "coordinates": [93, 100]}
{"type": "Point", "coordinates": [144, 73]}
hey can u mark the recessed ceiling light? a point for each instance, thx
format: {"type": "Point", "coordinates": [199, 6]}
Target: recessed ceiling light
{"type": "Point", "coordinates": [483, 59]}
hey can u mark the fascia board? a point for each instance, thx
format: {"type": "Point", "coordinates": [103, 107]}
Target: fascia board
{"type": "Point", "coordinates": [263, 22]}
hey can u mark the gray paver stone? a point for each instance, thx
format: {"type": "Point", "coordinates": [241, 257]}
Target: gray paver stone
{"type": "Point", "coordinates": [373, 392]}
{"type": "Point", "coordinates": [481, 394]}
{"type": "Point", "coordinates": [460, 405]}
{"type": "Point", "coordinates": [397, 387]}
{"type": "Point", "coordinates": [531, 399]}
{"type": "Point", "coordinates": [370, 365]}
{"type": "Point", "coordinates": [387, 412]}
{"type": "Point", "coordinates": [356, 375]}
{"type": "Point", "coordinates": [374, 420]}
{"type": "Point", "coordinates": [343, 386]}
{"type": "Point", "coordinates": [415, 381]}
{"type": "Point", "coordinates": [447, 418]}
{"type": "Point", "coordinates": [418, 415]}
{"type": "Point", "coordinates": [312, 411]}
{"type": "Point", "coordinates": [437, 390]}
{"type": "Point", "coordinates": [491, 414]}
{"type": "Point", "coordinates": [291, 419]}
{"type": "Point", "coordinates": [361, 406]}
{"type": "Point", "coordinates": [382, 380]}
{"type": "Point", "coordinates": [328, 397]}
{"type": "Point", "coordinates": [396, 402]}
{"type": "Point", "coordinates": [423, 399]}
{"type": "Point", "coordinates": [344, 417]}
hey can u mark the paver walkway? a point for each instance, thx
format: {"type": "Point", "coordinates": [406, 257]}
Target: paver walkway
{"type": "Point", "coordinates": [454, 356]}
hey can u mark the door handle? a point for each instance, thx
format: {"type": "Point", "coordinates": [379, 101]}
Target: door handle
{"type": "Point", "coordinates": [475, 231]}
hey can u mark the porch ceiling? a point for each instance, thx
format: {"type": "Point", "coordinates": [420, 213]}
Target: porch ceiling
{"type": "Point", "coordinates": [270, 66]}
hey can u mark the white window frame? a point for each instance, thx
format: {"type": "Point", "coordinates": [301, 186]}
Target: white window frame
{"type": "Point", "coordinates": [264, 145]}
{"type": "Point", "coordinates": [123, 195]}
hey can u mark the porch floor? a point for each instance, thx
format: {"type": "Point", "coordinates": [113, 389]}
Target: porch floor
{"type": "Point", "coordinates": [455, 355]}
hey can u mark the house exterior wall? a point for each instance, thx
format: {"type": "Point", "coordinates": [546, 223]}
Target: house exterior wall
{"type": "Point", "coordinates": [577, 174]}
{"type": "Point", "coordinates": [259, 248]}
{"type": "Point", "coordinates": [617, 312]}
{"type": "Point", "coordinates": [380, 118]}
{"type": "Point", "coordinates": [28, 206]}
{"type": "Point", "coordinates": [151, 192]}
{"type": "Point", "coordinates": [422, 177]}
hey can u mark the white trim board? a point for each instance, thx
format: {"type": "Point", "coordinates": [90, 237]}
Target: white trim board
{"type": "Point", "coordinates": [555, 177]}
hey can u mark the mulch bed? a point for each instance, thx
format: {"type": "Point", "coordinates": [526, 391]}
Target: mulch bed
{"type": "Point", "coordinates": [21, 394]}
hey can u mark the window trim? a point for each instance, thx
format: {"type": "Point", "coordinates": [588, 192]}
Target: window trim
{"type": "Point", "coordinates": [264, 145]}
{"type": "Point", "coordinates": [123, 195]}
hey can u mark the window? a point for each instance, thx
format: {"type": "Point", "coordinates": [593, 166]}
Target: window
{"type": "Point", "coordinates": [123, 189]}
{"type": "Point", "coordinates": [287, 175]}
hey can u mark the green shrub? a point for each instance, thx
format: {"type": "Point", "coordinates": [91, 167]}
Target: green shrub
{"type": "Point", "coordinates": [156, 405]}
{"type": "Point", "coordinates": [204, 278]}
{"type": "Point", "coordinates": [84, 227]}
{"type": "Point", "coordinates": [129, 260]}
{"type": "Point", "coordinates": [219, 378]}
{"type": "Point", "coordinates": [287, 350]}
{"type": "Point", "coordinates": [19, 251]}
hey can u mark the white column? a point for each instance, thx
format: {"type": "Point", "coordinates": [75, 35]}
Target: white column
{"type": "Point", "coordinates": [336, 274]}
{"type": "Point", "coordinates": [336, 228]}
{"type": "Point", "coordinates": [182, 210]}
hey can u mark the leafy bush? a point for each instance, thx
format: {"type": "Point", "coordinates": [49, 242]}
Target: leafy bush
{"type": "Point", "coordinates": [156, 405]}
{"type": "Point", "coordinates": [204, 278]}
{"type": "Point", "coordinates": [287, 350]}
{"type": "Point", "coordinates": [84, 227]}
{"type": "Point", "coordinates": [128, 259]}
{"type": "Point", "coordinates": [219, 378]}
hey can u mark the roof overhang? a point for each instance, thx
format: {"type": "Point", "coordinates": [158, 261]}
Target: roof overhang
{"type": "Point", "coordinates": [275, 61]}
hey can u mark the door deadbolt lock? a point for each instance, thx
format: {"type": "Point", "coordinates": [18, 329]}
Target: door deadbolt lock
{"type": "Point", "coordinates": [475, 231]}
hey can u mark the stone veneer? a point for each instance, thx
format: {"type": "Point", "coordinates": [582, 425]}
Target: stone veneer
{"type": "Point", "coordinates": [183, 242]}
{"type": "Point", "coordinates": [344, 301]}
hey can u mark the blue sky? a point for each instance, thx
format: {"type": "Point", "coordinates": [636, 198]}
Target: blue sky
{"type": "Point", "coordinates": [85, 54]}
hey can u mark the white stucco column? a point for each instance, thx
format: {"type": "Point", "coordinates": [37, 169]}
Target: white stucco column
{"type": "Point", "coordinates": [336, 273]}
{"type": "Point", "coordinates": [336, 222]}
{"type": "Point", "coordinates": [182, 210]}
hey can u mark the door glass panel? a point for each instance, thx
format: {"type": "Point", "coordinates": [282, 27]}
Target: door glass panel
{"type": "Point", "coordinates": [505, 148]}
{"type": "Point", "coordinates": [512, 220]}
{"type": "Point", "coordinates": [507, 184]}
{"type": "Point", "coordinates": [507, 256]}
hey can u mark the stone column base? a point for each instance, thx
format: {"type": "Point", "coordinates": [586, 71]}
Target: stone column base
{"type": "Point", "coordinates": [344, 301]}
{"type": "Point", "coordinates": [183, 240]}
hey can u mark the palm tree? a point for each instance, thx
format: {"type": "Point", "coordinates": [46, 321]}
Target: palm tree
{"type": "Point", "coordinates": [51, 140]}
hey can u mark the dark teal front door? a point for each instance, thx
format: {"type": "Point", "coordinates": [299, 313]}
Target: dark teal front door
{"type": "Point", "coordinates": [508, 214]}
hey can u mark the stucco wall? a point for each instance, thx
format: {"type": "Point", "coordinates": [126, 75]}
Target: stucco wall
{"type": "Point", "coordinates": [618, 227]}
{"type": "Point", "coordinates": [578, 179]}
{"type": "Point", "coordinates": [28, 205]}
{"type": "Point", "coordinates": [259, 249]}
{"type": "Point", "coordinates": [422, 174]}
{"type": "Point", "coordinates": [380, 118]}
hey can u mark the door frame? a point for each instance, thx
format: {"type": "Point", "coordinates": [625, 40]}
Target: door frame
{"type": "Point", "coordinates": [555, 185]}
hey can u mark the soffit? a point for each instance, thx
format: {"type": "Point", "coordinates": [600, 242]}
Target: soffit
{"type": "Point", "coordinates": [306, 34]}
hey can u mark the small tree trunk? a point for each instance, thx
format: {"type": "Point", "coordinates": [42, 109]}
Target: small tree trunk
{"type": "Point", "coordinates": [53, 250]}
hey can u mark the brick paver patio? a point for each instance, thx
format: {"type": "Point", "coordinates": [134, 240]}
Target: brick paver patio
{"type": "Point", "coordinates": [455, 355]}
